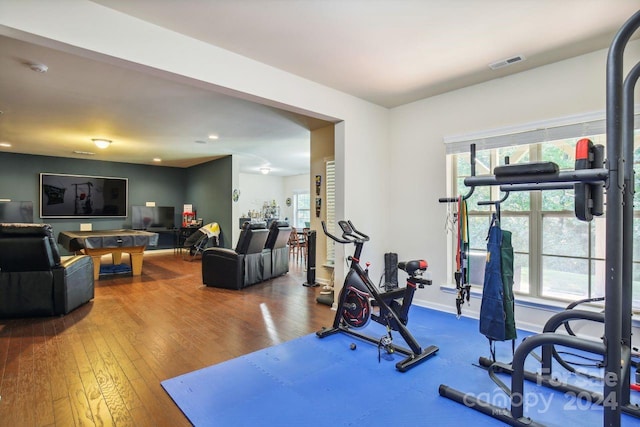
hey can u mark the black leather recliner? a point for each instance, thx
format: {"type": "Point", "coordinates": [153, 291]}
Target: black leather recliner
{"type": "Point", "coordinates": [276, 249]}
{"type": "Point", "coordinates": [239, 268]}
{"type": "Point", "coordinates": [34, 281]}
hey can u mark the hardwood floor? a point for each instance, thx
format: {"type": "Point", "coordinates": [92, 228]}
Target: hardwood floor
{"type": "Point", "coordinates": [102, 364]}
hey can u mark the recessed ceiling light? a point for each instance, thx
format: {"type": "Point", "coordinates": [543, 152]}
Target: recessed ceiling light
{"type": "Point", "coordinates": [5, 144]}
{"type": "Point", "coordinates": [265, 171]}
{"type": "Point", "coordinates": [84, 153]}
{"type": "Point", "coordinates": [101, 143]}
{"type": "Point", "coordinates": [157, 159]}
{"type": "Point", "coordinates": [212, 136]}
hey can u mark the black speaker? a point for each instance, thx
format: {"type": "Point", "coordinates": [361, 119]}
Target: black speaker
{"type": "Point", "coordinates": [311, 259]}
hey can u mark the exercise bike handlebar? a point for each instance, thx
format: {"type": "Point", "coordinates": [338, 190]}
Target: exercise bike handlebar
{"type": "Point", "coordinates": [349, 233]}
{"type": "Point", "coordinates": [352, 231]}
{"type": "Point", "coordinates": [331, 236]}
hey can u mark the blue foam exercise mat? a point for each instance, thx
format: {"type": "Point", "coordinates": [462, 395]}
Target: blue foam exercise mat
{"type": "Point", "coordinates": [322, 382]}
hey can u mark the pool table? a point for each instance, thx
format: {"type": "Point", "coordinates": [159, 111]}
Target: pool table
{"type": "Point", "coordinates": [115, 242]}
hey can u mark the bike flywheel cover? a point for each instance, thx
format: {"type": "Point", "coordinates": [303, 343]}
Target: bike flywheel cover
{"type": "Point", "coordinates": [356, 311]}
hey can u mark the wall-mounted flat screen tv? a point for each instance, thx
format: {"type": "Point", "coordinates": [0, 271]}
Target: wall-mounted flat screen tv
{"type": "Point", "coordinates": [146, 217]}
{"type": "Point", "coordinates": [16, 212]}
{"type": "Point", "coordinates": [82, 196]}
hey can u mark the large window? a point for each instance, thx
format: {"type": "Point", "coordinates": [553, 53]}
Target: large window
{"type": "Point", "coordinates": [301, 210]}
{"type": "Point", "coordinates": [556, 256]}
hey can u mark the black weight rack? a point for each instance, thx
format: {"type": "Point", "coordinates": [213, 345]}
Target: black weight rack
{"type": "Point", "coordinates": [618, 179]}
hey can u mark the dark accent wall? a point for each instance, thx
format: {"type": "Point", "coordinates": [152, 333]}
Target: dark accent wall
{"type": "Point", "coordinates": [166, 186]}
{"type": "Point", "coordinates": [209, 189]}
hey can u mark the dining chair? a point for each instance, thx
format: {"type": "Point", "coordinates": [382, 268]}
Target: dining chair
{"type": "Point", "coordinates": [303, 243]}
{"type": "Point", "coordinates": [294, 247]}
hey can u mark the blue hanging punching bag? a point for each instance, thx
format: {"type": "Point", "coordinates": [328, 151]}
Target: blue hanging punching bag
{"type": "Point", "coordinates": [492, 315]}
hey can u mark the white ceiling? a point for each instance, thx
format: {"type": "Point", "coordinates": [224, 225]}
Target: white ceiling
{"type": "Point", "coordinates": [387, 52]}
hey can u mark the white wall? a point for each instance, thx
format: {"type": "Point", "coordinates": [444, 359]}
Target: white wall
{"type": "Point", "coordinates": [254, 191]}
{"type": "Point", "coordinates": [294, 184]}
{"type": "Point", "coordinates": [417, 165]}
{"type": "Point", "coordinates": [257, 189]}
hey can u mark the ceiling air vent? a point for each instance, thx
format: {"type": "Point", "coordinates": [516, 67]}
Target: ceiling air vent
{"type": "Point", "coordinates": [506, 62]}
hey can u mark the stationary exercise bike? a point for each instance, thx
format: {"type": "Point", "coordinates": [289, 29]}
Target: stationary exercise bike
{"type": "Point", "coordinates": [360, 301]}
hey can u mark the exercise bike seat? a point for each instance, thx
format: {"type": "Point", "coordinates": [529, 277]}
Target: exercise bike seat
{"type": "Point", "coordinates": [414, 267]}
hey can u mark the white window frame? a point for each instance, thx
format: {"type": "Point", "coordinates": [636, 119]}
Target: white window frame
{"type": "Point", "coordinates": [573, 127]}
